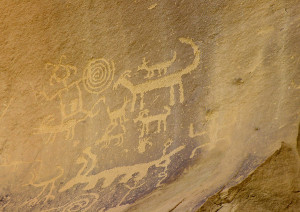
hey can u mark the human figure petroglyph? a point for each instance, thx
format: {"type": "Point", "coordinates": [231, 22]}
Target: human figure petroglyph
{"type": "Point", "coordinates": [81, 203]}
{"type": "Point", "coordinates": [118, 114]}
{"type": "Point", "coordinates": [159, 67]}
{"type": "Point", "coordinates": [167, 81]}
{"type": "Point", "coordinates": [124, 173]}
{"type": "Point", "coordinates": [146, 119]}
{"type": "Point", "coordinates": [41, 198]}
{"type": "Point", "coordinates": [193, 134]}
{"type": "Point", "coordinates": [97, 76]}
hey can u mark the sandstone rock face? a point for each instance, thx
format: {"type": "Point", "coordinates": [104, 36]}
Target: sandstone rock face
{"type": "Point", "coordinates": [142, 105]}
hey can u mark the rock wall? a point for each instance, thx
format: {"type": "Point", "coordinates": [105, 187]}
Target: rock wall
{"type": "Point", "coordinates": [142, 105]}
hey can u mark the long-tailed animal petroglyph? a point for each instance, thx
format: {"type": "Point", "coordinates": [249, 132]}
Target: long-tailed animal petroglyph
{"type": "Point", "coordinates": [124, 173]}
{"type": "Point", "coordinates": [142, 145]}
{"type": "Point", "coordinates": [43, 196]}
{"type": "Point", "coordinates": [160, 67]}
{"type": "Point", "coordinates": [168, 81]}
{"type": "Point", "coordinates": [81, 203]}
{"type": "Point", "coordinates": [118, 114]}
{"type": "Point", "coordinates": [97, 77]}
{"type": "Point", "coordinates": [193, 134]}
{"type": "Point", "coordinates": [146, 119]}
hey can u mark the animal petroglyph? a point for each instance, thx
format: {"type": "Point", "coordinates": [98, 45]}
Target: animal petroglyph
{"type": "Point", "coordinates": [124, 173]}
{"type": "Point", "coordinates": [97, 76]}
{"type": "Point", "coordinates": [160, 67]}
{"type": "Point", "coordinates": [193, 134]}
{"type": "Point", "coordinates": [118, 114]}
{"type": "Point", "coordinates": [167, 81]}
{"type": "Point", "coordinates": [43, 196]}
{"type": "Point", "coordinates": [142, 144]}
{"type": "Point", "coordinates": [146, 119]}
{"type": "Point", "coordinates": [81, 203]}
{"type": "Point", "coordinates": [110, 136]}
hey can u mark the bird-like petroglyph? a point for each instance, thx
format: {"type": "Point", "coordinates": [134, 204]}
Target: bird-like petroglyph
{"type": "Point", "coordinates": [124, 173]}
{"type": "Point", "coordinates": [48, 185]}
{"type": "Point", "coordinates": [159, 67]}
{"type": "Point", "coordinates": [146, 119]}
{"type": "Point", "coordinates": [167, 81]}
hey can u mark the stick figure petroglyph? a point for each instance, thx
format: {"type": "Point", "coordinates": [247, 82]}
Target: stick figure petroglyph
{"type": "Point", "coordinates": [160, 67]}
{"type": "Point", "coordinates": [146, 119]}
{"type": "Point", "coordinates": [168, 81]}
{"type": "Point", "coordinates": [97, 76]}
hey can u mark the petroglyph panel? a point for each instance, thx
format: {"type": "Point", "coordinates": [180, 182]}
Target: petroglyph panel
{"type": "Point", "coordinates": [140, 105]}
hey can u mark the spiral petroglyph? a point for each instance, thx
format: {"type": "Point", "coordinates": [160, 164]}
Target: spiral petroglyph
{"type": "Point", "coordinates": [98, 75]}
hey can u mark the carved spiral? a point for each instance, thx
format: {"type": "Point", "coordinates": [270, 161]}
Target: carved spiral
{"type": "Point", "coordinates": [83, 203]}
{"type": "Point", "coordinates": [98, 75]}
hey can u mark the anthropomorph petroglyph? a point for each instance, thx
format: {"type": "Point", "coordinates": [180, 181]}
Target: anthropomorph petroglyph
{"type": "Point", "coordinates": [97, 77]}
{"type": "Point", "coordinates": [167, 81]}
{"type": "Point", "coordinates": [81, 203]}
{"type": "Point", "coordinates": [159, 67]}
{"type": "Point", "coordinates": [146, 119]}
{"type": "Point", "coordinates": [43, 196]}
{"type": "Point", "coordinates": [123, 173]}
{"type": "Point", "coordinates": [118, 114]}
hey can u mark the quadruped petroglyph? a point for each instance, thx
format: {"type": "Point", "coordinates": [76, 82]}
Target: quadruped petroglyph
{"type": "Point", "coordinates": [159, 67]}
{"type": "Point", "coordinates": [146, 119]}
{"type": "Point", "coordinates": [167, 81]}
{"type": "Point", "coordinates": [97, 77]}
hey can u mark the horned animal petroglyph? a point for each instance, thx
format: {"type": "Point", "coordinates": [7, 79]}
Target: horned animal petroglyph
{"type": "Point", "coordinates": [160, 67]}
{"type": "Point", "coordinates": [167, 81]}
{"type": "Point", "coordinates": [108, 136]}
{"type": "Point", "coordinates": [146, 119]}
{"type": "Point", "coordinates": [118, 114]}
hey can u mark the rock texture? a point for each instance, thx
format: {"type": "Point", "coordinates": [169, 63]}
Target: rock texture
{"type": "Point", "coordinates": [144, 105]}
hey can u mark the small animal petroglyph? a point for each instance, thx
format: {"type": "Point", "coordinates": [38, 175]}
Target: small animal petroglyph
{"type": "Point", "coordinates": [118, 114]}
{"type": "Point", "coordinates": [160, 67]}
{"type": "Point", "coordinates": [109, 136]}
{"type": "Point", "coordinates": [146, 119]}
{"type": "Point", "coordinates": [43, 196]}
{"type": "Point", "coordinates": [167, 81]}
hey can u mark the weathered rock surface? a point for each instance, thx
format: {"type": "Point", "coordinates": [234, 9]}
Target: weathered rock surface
{"type": "Point", "coordinates": [146, 105]}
